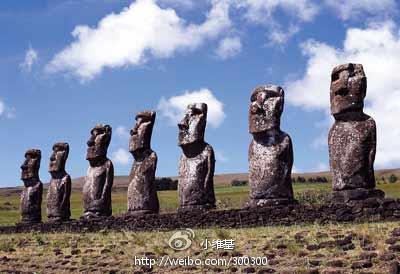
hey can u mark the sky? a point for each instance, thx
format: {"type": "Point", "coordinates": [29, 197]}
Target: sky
{"type": "Point", "coordinates": [68, 65]}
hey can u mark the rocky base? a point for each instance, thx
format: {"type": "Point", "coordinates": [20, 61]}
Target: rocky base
{"type": "Point", "coordinates": [140, 212]}
{"type": "Point", "coordinates": [189, 208]}
{"type": "Point", "coordinates": [362, 210]}
{"type": "Point", "coordinates": [358, 194]}
{"type": "Point", "coordinates": [57, 220]}
{"type": "Point", "coordinates": [269, 202]}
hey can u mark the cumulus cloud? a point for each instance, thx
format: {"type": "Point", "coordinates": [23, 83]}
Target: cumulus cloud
{"type": "Point", "coordinates": [31, 57]}
{"type": "Point", "coordinates": [229, 47]}
{"type": "Point", "coordinates": [121, 157]}
{"type": "Point", "coordinates": [140, 32]}
{"type": "Point", "coordinates": [174, 107]}
{"type": "Point", "coordinates": [377, 47]}
{"type": "Point", "coordinates": [348, 9]}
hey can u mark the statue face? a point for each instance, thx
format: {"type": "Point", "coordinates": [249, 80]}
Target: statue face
{"type": "Point", "coordinates": [31, 165]}
{"type": "Point", "coordinates": [193, 124]}
{"type": "Point", "coordinates": [58, 157]}
{"type": "Point", "coordinates": [266, 108]}
{"type": "Point", "coordinates": [98, 143]}
{"type": "Point", "coordinates": [348, 89]}
{"type": "Point", "coordinates": [141, 133]}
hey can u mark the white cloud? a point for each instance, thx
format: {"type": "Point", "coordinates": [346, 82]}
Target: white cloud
{"type": "Point", "coordinates": [265, 13]}
{"type": "Point", "coordinates": [141, 31]}
{"type": "Point", "coordinates": [122, 132]}
{"type": "Point", "coordinates": [348, 9]}
{"type": "Point", "coordinates": [174, 107]}
{"type": "Point", "coordinates": [377, 47]}
{"type": "Point", "coordinates": [261, 11]}
{"type": "Point", "coordinates": [281, 37]}
{"type": "Point", "coordinates": [229, 47]}
{"type": "Point", "coordinates": [121, 156]}
{"type": "Point", "coordinates": [31, 57]}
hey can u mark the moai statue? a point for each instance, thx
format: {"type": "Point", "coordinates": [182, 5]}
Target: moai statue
{"type": "Point", "coordinates": [352, 138]}
{"type": "Point", "coordinates": [197, 163]}
{"type": "Point", "coordinates": [142, 189]}
{"type": "Point", "coordinates": [31, 197]}
{"type": "Point", "coordinates": [100, 175]}
{"type": "Point", "coordinates": [270, 151]}
{"type": "Point", "coordinates": [59, 192]}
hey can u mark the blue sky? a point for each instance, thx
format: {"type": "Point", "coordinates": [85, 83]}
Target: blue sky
{"type": "Point", "coordinates": [67, 65]}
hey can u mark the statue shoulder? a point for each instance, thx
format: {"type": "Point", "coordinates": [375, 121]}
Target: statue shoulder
{"type": "Point", "coordinates": [286, 138]}
{"type": "Point", "coordinates": [153, 155]}
{"type": "Point", "coordinates": [208, 149]}
{"type": "Point", "coordinates": [109, 165]}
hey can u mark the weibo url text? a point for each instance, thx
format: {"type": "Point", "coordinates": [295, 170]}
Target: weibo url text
{"type": "Point", "coordinates": [166, 261]}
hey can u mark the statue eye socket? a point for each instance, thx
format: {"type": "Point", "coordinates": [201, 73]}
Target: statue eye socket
{"type": "Point", "coordinates": [196, 111]}
{"type": "Point", "coordinates": [335, 76]}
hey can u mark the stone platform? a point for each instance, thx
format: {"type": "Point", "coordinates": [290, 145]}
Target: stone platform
{"type": "Point", "coordinates": [363, 210]}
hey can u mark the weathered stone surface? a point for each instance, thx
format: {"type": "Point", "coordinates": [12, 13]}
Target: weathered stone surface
{"type": "Point", "coordinates": [142, 189]}
{"type": "Point", "coordinates": [234, 218]}
{"type": "Point", "coordinates": [270, 152]}
{"type": "Point", "coordinates": [100, 174]}
{"type": "Point", "coordinates": [59, 192]}
{"type": "Point", "coordinates": [345, 196]}
{"type": "Point", "coordinates": [352, 138]}
{"type": "Point", "coordinates": [31, 196]}
{"type": "Point", "coordinates": [197, 163]}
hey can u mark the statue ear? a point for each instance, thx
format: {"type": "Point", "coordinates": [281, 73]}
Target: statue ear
{"type": "Point", "coordinates": [108, 129]}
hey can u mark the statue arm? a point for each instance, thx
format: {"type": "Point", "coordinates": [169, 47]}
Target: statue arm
{"type": "Point", "coordinates": [209, 182]}
{"type": "Point", "coordinates": [372, 152]}
{"type": "Point", "coordinates": [66, 185]}
{"type": "Point", "coordinates": [109, 181]}
{"type": "Point", "coordinates": [290, 152]}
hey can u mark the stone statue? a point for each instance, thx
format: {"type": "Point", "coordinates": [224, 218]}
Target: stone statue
{"type": "Point", "coordinates": [197, 163]}
{"type": "Point", "coordinates": [142, 189]}
{"type": "Point", "coordinates": [59, 192]}
{"type": "Point", "coordinates": [100, 175]}
{"type": "Point", "coordinates": [31, 197]}
{"type": "Point", "coordinates": [352, 138]}
{"type": "Point", "coordinates": [270, 151]}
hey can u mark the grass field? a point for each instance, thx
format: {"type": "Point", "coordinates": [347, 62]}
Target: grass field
{"type": "Point", "coordinates": [346, 248]}
{"type": "Point", "coordinates": [227, 197]}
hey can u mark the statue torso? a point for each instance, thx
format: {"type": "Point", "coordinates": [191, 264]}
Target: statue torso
{"type": "Point", "coordinates": [142, 191]}
{"type": "Point", "coordinates": [270, 164]}
{"type": "Point", "coordinates": [352, 150]}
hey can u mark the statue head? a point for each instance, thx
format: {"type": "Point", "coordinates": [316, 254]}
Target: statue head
{"type": "Point", "coordinates": [348, 89]}
{"type": "Point", "coordinates": [141, 133]}
{"type": "Point", "coordinates": [193, 124]}
{"type": "Point", "coordinates": [266, 108]}
{"type": "Point", "coordinates": [30, 167]}
{"type": "Point", "coordinates": [59, 157]}
{"type": "Point", "coordinates": [98, 143]}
